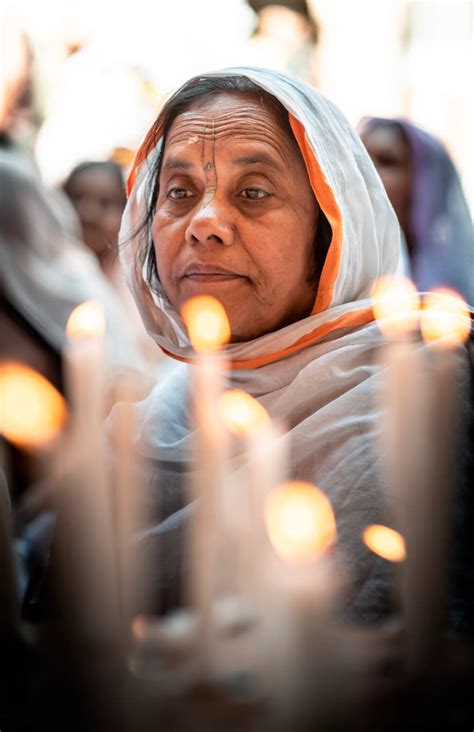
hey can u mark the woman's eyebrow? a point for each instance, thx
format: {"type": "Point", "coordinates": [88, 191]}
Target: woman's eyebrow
{"type": "Point", "coordinates": [258, 159]}
{"type": "Point", "coordinates": [177, 164]}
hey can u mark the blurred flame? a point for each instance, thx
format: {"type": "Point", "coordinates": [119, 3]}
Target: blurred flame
{"type": "Point", "coordinates": [32, 412]}
{"type": "Point", "coordinates": [395, 303]}
{"type": "Point", "coordinates": [300, 521]}
{"type": "Point", "coordinates": [207, 323]}
{"type": "Point", "coordinates": [385, 542]}
{"type": "Point", "coordinates": [86, 321]}
{"type": "Point", "coordinates": [241, 413]}
{"type": "Point", "coordinates": [445, 318]}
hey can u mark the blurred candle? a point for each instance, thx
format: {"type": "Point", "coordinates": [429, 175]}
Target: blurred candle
{"type": "Point", "coordinates": [265, 468]}
{"type": "Point", "coordinates": [445, 324]}
{"type": "Point", "coordinates": [395, 303]}
{"type": "Point", "coordinates": [32, 412]}
{"type": "Point", "coordinates": [404, 444]}
{"type": "Point", "coordinates": [420, 404]}
{"type": "Point", "coordinates": [303, 589]}
{"type": "Point", "coordinates": [208, 329]}
{"type": "Point", "coordinates": [32, 416]}
{"type": "Point", "coordinates": [85, 523]}
{"type": "Point", "coordinates": [127, 495]}
{"type": "Point", "coordinates": [300, 522]}
{"type": "Point", "coordinates": [385, 542]}
{"type": "Point", "coordinates": [84, 368]}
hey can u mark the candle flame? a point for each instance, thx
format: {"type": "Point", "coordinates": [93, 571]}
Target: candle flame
{"type": "Point", "coordinates": [444, 319]}
{"type": "Point", "coordinates": [32, 412]}
{"type": "Point", "coordinates": [395, 303]}
{"type": "Point", "coordinates": [385, 542]}
{"type": "Point", "coordinates": [300, 521]}
{"type": "Point", "coordinates": [207, 323]}
{"type": "Point", "coordinates": [86, 321]}
{"type": "Point", "coordinates": [241, 413]}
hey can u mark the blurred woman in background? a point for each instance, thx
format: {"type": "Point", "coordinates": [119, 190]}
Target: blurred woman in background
{"type": "Point", "coordinates": [426, 193]}
{"type": "Point", "coordinates": [97, 191]}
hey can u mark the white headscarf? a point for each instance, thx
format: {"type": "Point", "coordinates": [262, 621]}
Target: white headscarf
{"type": "Point", "coordinates": [317, 375]}
{"type": "Point", "coordinates": [366, 238]}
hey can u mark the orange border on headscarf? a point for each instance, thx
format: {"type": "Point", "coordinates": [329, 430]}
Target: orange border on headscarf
{"type": "Point", "coordinates": [354, 319]}
{"type": "Point", "coordinates": [327, 201]}
{"type": "Point", "coordinates": [152, 136]}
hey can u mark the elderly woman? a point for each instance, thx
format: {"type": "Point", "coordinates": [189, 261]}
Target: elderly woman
{"type": "Point", "coordinates": [424, 188]}
{"type": "Point", "coordinates": [253, 188]}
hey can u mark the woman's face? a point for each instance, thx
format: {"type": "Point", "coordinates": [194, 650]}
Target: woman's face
{"type": "Point", "coordinates": [99, 201]}
{"type": "Point", "coordinates": [388, 148]}
{"type": "Point", "coordinates": [236, 216]}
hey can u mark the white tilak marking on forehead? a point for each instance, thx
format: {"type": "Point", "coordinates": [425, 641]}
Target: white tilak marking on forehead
{"type": "Point", "coordinates": [209, 167]}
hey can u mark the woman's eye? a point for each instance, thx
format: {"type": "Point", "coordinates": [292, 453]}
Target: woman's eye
{"type": "Point", "coordinates": [177, 194]}
{"type": "Point", "coordinates": [254, 194]}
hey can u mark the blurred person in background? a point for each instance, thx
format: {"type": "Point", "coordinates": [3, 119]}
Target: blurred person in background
{"type": "Point", "coordinates": [45, 275]}
{"type": "Point", "coordinates": [284, 38]}
{"type": "Point", "coordinates": [426, 193]}
{"type": "Point", "coordinates": [97, 191]}
{"type": "Point", "coordinates": [48, 273]}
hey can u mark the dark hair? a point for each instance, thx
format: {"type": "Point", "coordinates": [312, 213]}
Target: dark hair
{"type": "Point", "coordinates": [107, 165]}
{"type": "Point", "coordinates": [196, 90]}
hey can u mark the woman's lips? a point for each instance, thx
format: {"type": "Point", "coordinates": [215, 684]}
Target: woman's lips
{"type": "Point", "coordinates": [209, 273]}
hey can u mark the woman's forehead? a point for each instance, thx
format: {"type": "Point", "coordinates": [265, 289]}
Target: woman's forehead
{"type": "Point", "coordinates": [227, 117]}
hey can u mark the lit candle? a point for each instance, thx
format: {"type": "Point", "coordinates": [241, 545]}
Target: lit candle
{"type": "Point", "coordinates": [395, 303]}
{"type": "Point", "coordinates": [303, 589]}
{"type": "Point", "coordinates": [32, 415]}
{"type": "Point", "coordinates": [208, 329]}
{"type": "Point", "coordinates": [388, 544]}
{"type": "Point", "coordinates": [84, 369]}
{"type": "Point", "coordinates": [385, 542]}
{"type": "Point", "coordinates": [265, 468]}
{"type": "Point", "coordinates": [420, 398]}
{"type": "Point", "coordinates": [444, 324]}
{"type": "Point", "coordinates": [403, 402]}
{"type": "Point", "coordinates": [85, 524]}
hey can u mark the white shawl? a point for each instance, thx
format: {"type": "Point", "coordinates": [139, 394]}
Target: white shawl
{"type": "Point", "coordinates": [319, 375]}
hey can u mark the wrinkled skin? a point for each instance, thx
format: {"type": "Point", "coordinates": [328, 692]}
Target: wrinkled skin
{"type": "Point", "coordinates": [236, 216]}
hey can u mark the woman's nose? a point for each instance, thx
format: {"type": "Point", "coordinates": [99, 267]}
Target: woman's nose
{"type": "Point", "coordinates": [211, 222]}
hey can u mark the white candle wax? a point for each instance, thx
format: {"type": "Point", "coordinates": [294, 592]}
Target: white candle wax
{"type": "Point", "coordinates": [428, 511]}
{"type": "Point", "coordinates": [207, 486]}
{"type": "Point", "coordinates": [422, 401]}
{"type": "Point", "coordinates": [302, 587]}
{"type": "Point", "coordinates": [406, 452]}
{"type": "Point", "coordinates": [267, 455]}
{"type": "Point", "coordinates": [85, 522]}
{"type": "Point", "coordinates": [126, 499]}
